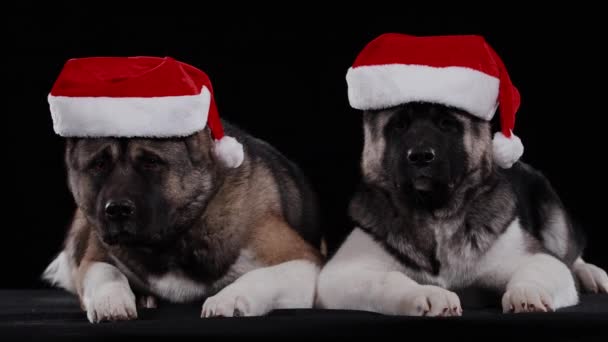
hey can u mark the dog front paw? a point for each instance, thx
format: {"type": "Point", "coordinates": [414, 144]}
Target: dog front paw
{"type": "Point", "coordinates": [230, 302]}
{"type": "Point", "coordinates": [111, 302]}
{"type": "Point", "coordinates": [593, 279]}
{"type": "Point", "coordinates": [526, 298]}
{"type": "Point", "coordinates": [428, 300]}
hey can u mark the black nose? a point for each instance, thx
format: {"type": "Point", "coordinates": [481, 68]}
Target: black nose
{"type": "Point", "coordinates": [119, 209]}
{"type": "Point", "coordinates": [421, 156]}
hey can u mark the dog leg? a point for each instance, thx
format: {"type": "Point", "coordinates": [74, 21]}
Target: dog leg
{"type": "Point", "coordinates": [363, 276]}
{"type": "Point", "coordinates": [287, 285]}
{"type": "Point", "coordinates": [593, 279]}
{"type": "Point", "coordinates": [532, 281]}
{"type": "Point", "coordinates": [105, 293]}
{"type": "Point", "coordinates": [541, 283]}
{"type": "Point", "coordinates": [287, 278]}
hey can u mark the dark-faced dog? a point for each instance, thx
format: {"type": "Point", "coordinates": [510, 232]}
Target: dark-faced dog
{"type": "Point", "coordinates": [161, 218]}
{"type": "Point", "coordinates": [434, 214]}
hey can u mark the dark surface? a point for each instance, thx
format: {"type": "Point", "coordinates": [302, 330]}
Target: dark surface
{"type": "Point", "coordinates": [51, 314]}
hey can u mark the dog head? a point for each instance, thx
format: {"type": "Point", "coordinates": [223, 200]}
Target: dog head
{"type": "Point", "coordinates": [141, 191]}
{"type": "Point", "coordinates": [422, 152]}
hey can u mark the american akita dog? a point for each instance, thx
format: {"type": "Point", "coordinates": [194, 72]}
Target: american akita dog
{"type": "Point", "coordinates": [442, 206]}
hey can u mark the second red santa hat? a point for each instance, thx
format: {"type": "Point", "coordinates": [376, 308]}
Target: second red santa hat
{"type": "Point", "coordinates": [460, 71]}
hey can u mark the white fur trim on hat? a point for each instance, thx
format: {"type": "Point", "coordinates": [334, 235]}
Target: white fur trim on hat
{"type": "Point", "coordinates": [383, 86]}
{"type": "Point", "coordinates": [229, 152]}
{"type": "Point", "coordinates": [165, 116]}
{"type": "Point", "coordinates": [506, 151]}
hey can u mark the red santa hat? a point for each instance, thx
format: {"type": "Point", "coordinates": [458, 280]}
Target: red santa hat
{"type": "Point", "coordinates": [460, 71]}
{"type": "Point", "coordinates": [138, 97]}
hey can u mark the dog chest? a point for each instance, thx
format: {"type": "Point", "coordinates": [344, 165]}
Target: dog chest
{"type": "Point", "coordinates": [455, 254]}
{"type": "Point", "coordinates": [177, 286]}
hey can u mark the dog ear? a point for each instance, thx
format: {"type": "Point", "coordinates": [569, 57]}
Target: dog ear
{"type": "Point", "coordinates": [199, 146]}
{"type": "Point", "coordinates": [70, 146]}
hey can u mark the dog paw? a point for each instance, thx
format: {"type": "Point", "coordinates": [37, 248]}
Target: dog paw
{"type": "Point", "coordinates": [147, 302]}
{"type": "Point", "coordinates": [593, 279]}
{"type": "Point", "coordinates": [111, 302]}
{"type": "Point", "coordinates": [232, 303]}
{"type": "Point", "coordinates": [428, 300]}
{"type": "Point", "coordinates": [526, 298]}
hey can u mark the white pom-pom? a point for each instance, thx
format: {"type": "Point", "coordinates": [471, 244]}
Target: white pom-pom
{"type": "Point", "coordinates": [506, 151]}
{"type": "Point", "coordinates": [229, 152]}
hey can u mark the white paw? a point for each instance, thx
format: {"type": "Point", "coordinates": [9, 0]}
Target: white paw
{"type": "Point", "coordinates": [230, 302]}
{"type": "Point", "coordinates": [593, 279]}
{"type": "Point", "coordinates": [526, 298]}
{"type": "Point", "coordinates": [111, 302]}
{"type": "Point", "coordinates": [428, 300]}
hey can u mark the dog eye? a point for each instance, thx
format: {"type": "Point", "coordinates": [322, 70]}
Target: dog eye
{"type": "Point", "coordinates": [150, 162]}
{"type": "Point", "coordinates": [448, 124]}
{"type": "Point", "coordinates": [99, 164]}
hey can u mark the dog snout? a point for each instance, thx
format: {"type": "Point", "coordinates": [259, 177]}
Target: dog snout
{"type": "Point", "coordinates": [119, 210]}
{"type": "Point", "coordinates": [421, 156]}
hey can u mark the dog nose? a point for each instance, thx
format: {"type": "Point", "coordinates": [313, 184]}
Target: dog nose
{"type": "Point", "coordinates": [119, 209]}
{"type": "Point", "coordinates": [421, 156]}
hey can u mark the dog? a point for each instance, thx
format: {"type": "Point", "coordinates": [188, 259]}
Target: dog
{"type": "Point", "coordinates": [434, 215]}
{"type": "Point", "coordinates": [161, 219]}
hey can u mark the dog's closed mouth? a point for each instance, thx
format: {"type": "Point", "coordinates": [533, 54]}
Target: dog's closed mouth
{"type": "Point", "coordinates": [423, 184]}
{"type": "Point", "coordinates": [121, 238]}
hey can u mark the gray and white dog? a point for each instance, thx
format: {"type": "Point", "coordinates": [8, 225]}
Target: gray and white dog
{"type": "Point", "coordinates": [442, 205]}
{"type": "Point", "coordinates": [433, 214]}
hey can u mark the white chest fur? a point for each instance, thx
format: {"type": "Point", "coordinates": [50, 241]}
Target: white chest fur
{"type": "Point", "coordinates": [176, 286]}
{"type": "Point", "coordinates": [464, 265]}
{"type": "Point", "coordinates": [459, 260]}
{"type": "Point", "coordinates": [458, 265]}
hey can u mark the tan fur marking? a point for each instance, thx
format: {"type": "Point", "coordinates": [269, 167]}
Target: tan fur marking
{"type": "Point", "coordinates": [476, 146]}
{"type": "Point", "coordinates": [94, 253]}
{"type": "Point", "coordinates": [274, 242]}
{"type": "Point", "coordinates": [374, 146]}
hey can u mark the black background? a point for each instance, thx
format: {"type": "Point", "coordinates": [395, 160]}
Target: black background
{"type": "Point", "coordinates": [282, 78]}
